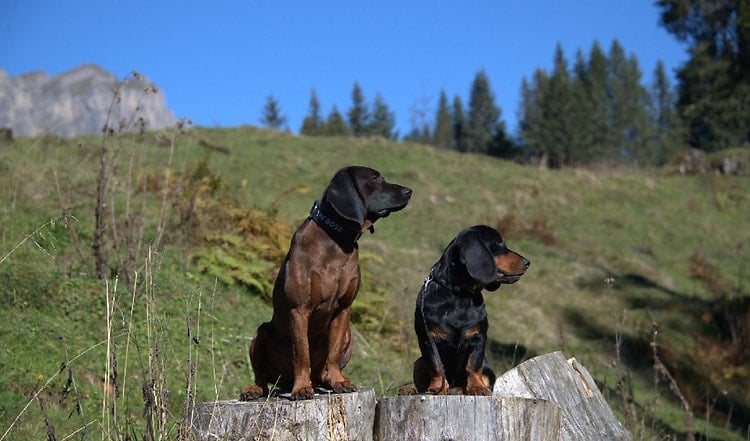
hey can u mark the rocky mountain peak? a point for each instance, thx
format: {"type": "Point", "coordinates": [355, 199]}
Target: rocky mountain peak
{"type": "Point", "coordinates": [77, 102]}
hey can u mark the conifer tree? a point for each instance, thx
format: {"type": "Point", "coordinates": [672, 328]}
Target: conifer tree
{"type": "Point", "coordinates": [502, 145]}
{"type": "Point", "coordinates": [335, 124]}
{"type": "Point", "coordinates": [582, 113]}
{"type": "Point", "coordinates": [714, 85]}
{"type": "Point", "coordinates": [558, 130]}
{"type": "Point", "coordinates": [459, 125]}
{"type": "Point", "coordinates": [484, 115]}
{"type": "Point", "coordinates": [272, 117]}
{"type": "Point", "coordinates": [312, 125]}
{"type": "Point", "coordinates": [595, 85]}
{"type": "Point", "coordinates": [443, 135]}
{"type": "Point", "coordinates": [668, 131]}
{"type": "Point", "coordinates": [629, 106]}
{"type": "Point", "coordinates": [530, 115]}
{"type": "Point", "coordinates": [599, 113]}
{"type": "Point", "coordinates": [382, 120]}
{"type": "Point", "coordinates": [358, 114]}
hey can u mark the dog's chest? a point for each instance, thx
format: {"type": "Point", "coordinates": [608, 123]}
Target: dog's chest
{"type": "Point", "coordinates": [457, 311]}
{"type": "Point", "coordinates": [333, 276]}
{"type": "Point", "coordinates": [465, 312]}
{"type": "Point", "coordinates": [333, 283]}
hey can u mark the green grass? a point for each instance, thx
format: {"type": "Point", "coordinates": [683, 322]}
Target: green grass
{"type": "Point", "coordinates": [577, 226]}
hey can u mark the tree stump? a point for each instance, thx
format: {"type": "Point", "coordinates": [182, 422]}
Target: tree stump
{"type": "Point", "coordinates": [327, 416]}
{"type": "Point", "coordinates": [546, 398]}
{"type": "Point", "coordinates": [466, 418]}
{"type": "Point", "coordinates": [585, 414]}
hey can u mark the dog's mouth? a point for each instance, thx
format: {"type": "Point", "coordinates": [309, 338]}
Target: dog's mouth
{"type": "Point", "coordinates": [397, 203]}
{"type": "Point", "coordinates": [384, 212]}
{"type": "Point", "coordinates": [508, 278]}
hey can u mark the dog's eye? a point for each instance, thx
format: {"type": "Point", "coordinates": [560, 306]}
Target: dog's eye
{"type": "Point", "coordinates": [497, 247]}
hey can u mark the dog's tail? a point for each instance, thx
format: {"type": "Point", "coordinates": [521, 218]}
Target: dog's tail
{"type": "Point", "coordinates": [435, 354]}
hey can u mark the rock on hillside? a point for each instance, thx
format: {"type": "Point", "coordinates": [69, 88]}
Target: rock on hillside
{"type": "Point", "coordinates": [77, 103]}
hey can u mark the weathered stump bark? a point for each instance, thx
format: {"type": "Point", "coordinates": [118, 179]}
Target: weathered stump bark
{"type": "Point", "coordinates": [546, 398]}
{"type": "Point", "coordinates": [327, 416]}
{"type": "Point", "coordinates": [466, 418]}
{"type": "Point", "coordinates": [585, 414]}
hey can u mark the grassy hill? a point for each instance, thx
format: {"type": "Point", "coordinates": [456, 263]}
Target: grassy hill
{"type": "Point", "coordinates": [639, 274]}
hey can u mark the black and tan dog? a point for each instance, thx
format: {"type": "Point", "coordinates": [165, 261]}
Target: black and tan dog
{"type": "Point", "coordinates": [308, 340]}
{"type": "Point", "coordinates": [450, 317]}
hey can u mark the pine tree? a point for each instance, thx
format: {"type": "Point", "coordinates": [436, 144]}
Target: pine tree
{"type": "Point", "coordinates": [459, 125]}
{"type": "Point", "coordinates": [382, 120]}
{"type": "Point", "coordinates": [530, 114]}
{"type": "Point", "coordinates": [443, 135]}
{"type": "Point", "coordinates": [335, 124]}
{"type": "Point", "coordinates": [599, 113]}
{"type": "Point", "coordinates": [668, 130]}
{"type": "Point", "coordinates": [484, 115]}
{"type": "Point", "coordinates": [502, 144]}
{"type": "Point", "coordinates": [358, 114]}
{"type": "Point", "coordinates": [594, 82]}
{"type": "Point", "coordinates": [714, 85]}
{"type": "Point", "coordinates": [581, 113]}
{"type": "Point", "coordinates": [312, 125]}
{"type": "Point", "coordinates": [558, 129]}
{"type": "Point", "coordinates": [629, 101]}
{"type": "Point", "coordinates": [272, 117]}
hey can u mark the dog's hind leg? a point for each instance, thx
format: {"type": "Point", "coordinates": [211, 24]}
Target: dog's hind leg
{"type": "Point", "coordinates": [428, 378]}
{"type": "Point", "coordinates": [488, 377]}
{"type": "Point", "coordinates": [258, 354]}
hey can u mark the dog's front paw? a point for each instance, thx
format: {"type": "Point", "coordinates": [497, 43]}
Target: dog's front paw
{"type": "Point", "coordinates": [250, 393]}
{"type": "Point", "coordinates": [407, 390]}
{"type": "Point", "coordinates": [303, 393]}
{"type": "Point", "coordinates": [343, 386]}
{"type": "Point", "coordinates": [437, 391]}
{"type": "Point", "coordinates": [479, 391]}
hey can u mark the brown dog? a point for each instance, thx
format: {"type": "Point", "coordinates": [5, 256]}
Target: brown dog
{"type": "Point", "coordinates": [308, 340]}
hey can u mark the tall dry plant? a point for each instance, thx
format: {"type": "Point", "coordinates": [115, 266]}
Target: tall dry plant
{"type": "Point", "coordinates": [118, 239]}
{"type": "Point", "coordinates": [123, 256]}
{"type": "Point", "coordinates": [662, 372]}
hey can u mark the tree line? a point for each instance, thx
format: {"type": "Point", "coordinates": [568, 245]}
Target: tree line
{"type": "Point", "coordinates": [599, 111]}
{"type": "Point", "coordinates": [480, 129]}
{"type": "Point", "coordinates": [360, 119]}
{"type": "Point", "coordinates": [593, 110]}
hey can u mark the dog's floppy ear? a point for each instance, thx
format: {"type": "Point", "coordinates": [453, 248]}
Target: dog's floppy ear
{"type": "Point", "coordinates": [478, 260]}
{"type": "Point", "coordinates": [344, 198]}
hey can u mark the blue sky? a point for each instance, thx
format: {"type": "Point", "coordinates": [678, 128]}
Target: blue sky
{"type": "Point", "coordinates": [216, 62]}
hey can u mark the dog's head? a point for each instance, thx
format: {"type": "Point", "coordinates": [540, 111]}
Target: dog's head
{"type": "Point", "coordinates": [361, 195]}
{"type": "Point", "coordinates": [488, 261]}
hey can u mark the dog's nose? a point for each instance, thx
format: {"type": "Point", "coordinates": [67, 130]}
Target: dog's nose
{"type": "Point", "coordinates": [526, 263]}
{"type": "Point", "coordinates": [406, 191]}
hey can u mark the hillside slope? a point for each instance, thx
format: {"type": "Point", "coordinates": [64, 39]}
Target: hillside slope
{"type": "Point", "coordinates": [616, 256]}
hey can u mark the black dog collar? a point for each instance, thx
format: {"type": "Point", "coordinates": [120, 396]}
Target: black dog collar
{"type": "Point", "coordinates": [334, 225]}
